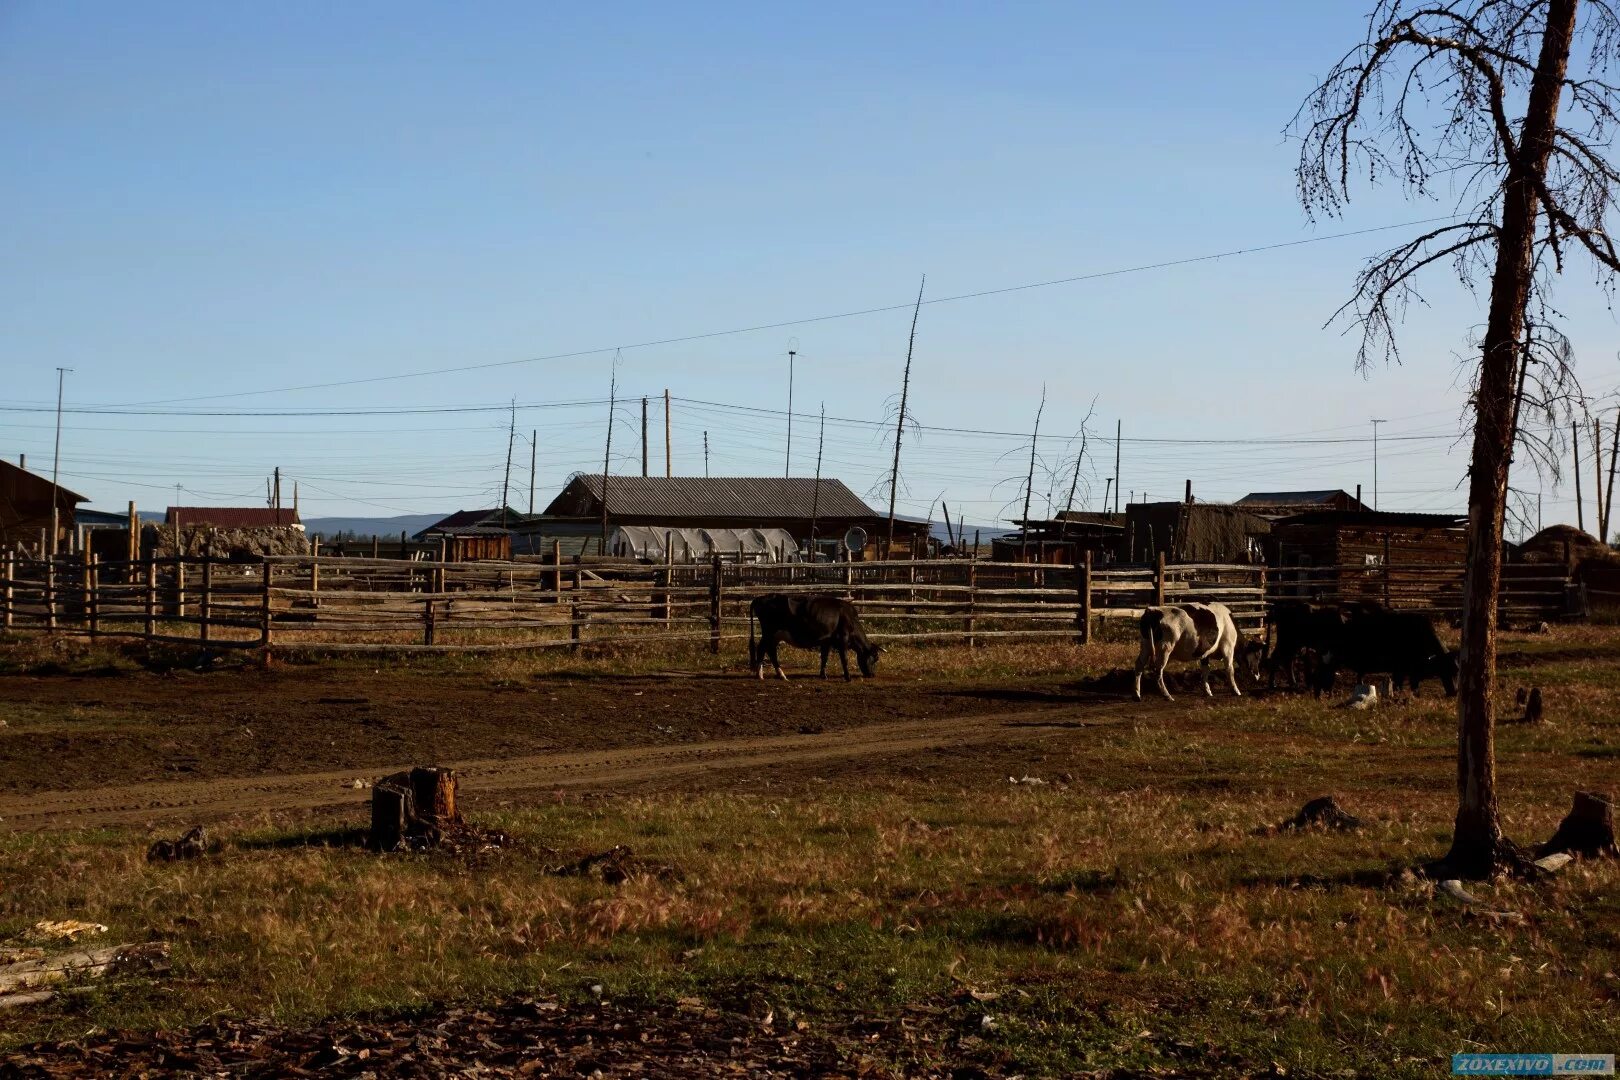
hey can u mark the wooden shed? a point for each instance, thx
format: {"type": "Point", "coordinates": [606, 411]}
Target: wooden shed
{"type": "Point", "coordinates": [26, 500]}
{"type": "Point", "coordinates": [1192, 532]}
{"type": "Point", "coordinates": [1063, 539]}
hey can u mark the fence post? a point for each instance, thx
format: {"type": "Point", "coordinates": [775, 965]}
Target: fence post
{"type": "Point", "coordinates": [315, 579]}
{"type": "Point", "coordinates": [1265, 607]}
{"type": "Point", "coordinates": [556, 571]}
{"type": "Point", "coordinates": [205, 609]}
{"type": "Point", "coordinates": [715, 598]}
{"type": "Point", "coordinates": [180, 586]}
{"type": "Point", "coordinates": [669, 575]}
{"type": "Point", "coordinates": [11, 574]}
{"type": "Point", "coordinates": [973, 595]}
{"type": "Point", "coordinates": [264, 611]}
{"type": "Point", "coordinates": [1084, 576]}
{"type": "Point", "coordinates": [151, 596]}
{"type": "Point", "coordinates": [429, 628]}
{"type": "Point", "coordinates": [573, 626]}
{"type": "Point", "coordinates": [92, 590]}
{"type": "Point", "coordinates": [84, 588]}
{"type": "Point", "coordinates": [50, 592]}
{"type": "Point", "coordinates": [1158, 582]}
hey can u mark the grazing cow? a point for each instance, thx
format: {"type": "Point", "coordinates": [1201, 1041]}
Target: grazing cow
{"type": "Point", "coordinates": [1193, 632]}
{"type": "Point", "coordinates": [811, 622]}
{"type": "Point", "coordinates": [1402, 644]}
{"type": "Point", "coordinates": [1301, 628]}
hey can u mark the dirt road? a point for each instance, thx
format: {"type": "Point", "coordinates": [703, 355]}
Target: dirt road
{"type": "Point", "coordinates": [487, 781]}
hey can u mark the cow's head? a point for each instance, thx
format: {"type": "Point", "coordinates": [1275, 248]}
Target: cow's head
{"type": "Point", "coordinates": [1445, 667]}
{"type": "Point", "coordinates": [866, 655]}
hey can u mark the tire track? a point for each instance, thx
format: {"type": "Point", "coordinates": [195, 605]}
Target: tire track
{"type": "Point", "coordinates": [629, 768]}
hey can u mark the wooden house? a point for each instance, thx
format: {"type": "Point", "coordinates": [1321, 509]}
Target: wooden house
{"type": "Point", "coordinates": [802, 506]}
{"type": "Point", "coordinates": [1192, 532]}
{"type": "Point", "coordinates": [26, 501]}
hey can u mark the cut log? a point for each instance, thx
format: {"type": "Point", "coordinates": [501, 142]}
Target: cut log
{"type": "Point", "coordinates": [1532, 707]}
{"type": "Point", "coordinates": [31, 974]}
{"type": "Point", "coordinates": [413, 808]}
{"type": "Point", "coordinates": [32, 997]}
{"type": "Point", "coordinates": [1588, 829]}
{"type": "Point", "coordinates": [393, 808]}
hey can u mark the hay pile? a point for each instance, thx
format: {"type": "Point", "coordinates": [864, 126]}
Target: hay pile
{"type": "Point", "coordinates": [239, 544]}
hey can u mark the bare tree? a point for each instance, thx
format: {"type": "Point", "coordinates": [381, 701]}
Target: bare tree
{"type": "Point", "coordinates": [1477, 99]}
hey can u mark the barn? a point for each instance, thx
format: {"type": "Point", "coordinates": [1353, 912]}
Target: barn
{"type": "Point", "coordinates": [26, 500]}
{"type": "Point", "coordinates": [800, 506]}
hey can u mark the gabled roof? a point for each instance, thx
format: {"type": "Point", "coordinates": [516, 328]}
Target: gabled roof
{"type": "Point", "coordinates": [1324, 497]}
{"type": "Point", "coordinates": [233, 517]}
{"type": "Point", "coordinates": [753, 499]}
{"type": "Point", "coordinates": [469, 519]}
{"type": "Point", "coordinates": [17, 480]}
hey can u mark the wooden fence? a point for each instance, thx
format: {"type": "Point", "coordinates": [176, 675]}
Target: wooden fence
{"type": "Point", "coordinates": [332, 604]}
{"type": "Point", "coordinates": [327, 603]}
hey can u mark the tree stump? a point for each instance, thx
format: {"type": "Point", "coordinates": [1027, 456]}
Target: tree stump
{"type": "Point", "coordinates": [1532, 706]}
{"type": "Point", "coordinates": [1323, 813]}
{"type": "Point", "coordinates": [413, 808]}
{"type": "Point", "coordinates": [1588, 829]}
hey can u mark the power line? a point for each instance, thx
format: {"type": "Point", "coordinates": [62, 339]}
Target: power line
{"type": "Point", "coordinates": [812, 319]}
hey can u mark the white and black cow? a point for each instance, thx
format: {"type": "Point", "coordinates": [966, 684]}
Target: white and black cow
{"type": "Point", "coordinates": [1192, 632]}
{"type": "Point", "coordinates": [810, 621]}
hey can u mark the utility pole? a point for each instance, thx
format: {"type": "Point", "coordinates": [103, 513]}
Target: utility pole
{"type": "Point", "coordinates": [1614, 452]}
{"type": "Point", "coordinates": [534, 452]}
{"type": "Point", "coordinates": [1029, 482]}
{"type": "Point", "coordinates": [815, 496]}
{"type": "Point", "coordinates": [1119, 429]}
{"type": "Point", "coordinates": [1375, 424]}
{"type": "Point", "coordinates": [506, 477]}
{"type": "Point", "coordinates": [643, 436]}
{"type": "Point", "coordinates": [1575, 449]}
{"type": "Point", "coordinates": [607, 448]}
{"type": "Point", "coordinates": [668, 458]}
{"type": "Point", "coordinates": [1597, 484]}
{"type": "Point", "coordinates": [1107, 488]}
{"type": "Point", "coordinates": [277, 494]}
{"type": "Point", "coordinates": [900, 421]}
{"type": "Point", "coordinates": [787, 463]}
{"type": "Point", "coordinates": [705, 453]}
{"type": "Point", "coordinates": [56, 494]}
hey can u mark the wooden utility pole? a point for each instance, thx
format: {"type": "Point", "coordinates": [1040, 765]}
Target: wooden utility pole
{"type": "Point", "coordinates": [815, 493]}
{"type": "Point", "coordinates": [900, 421]}
{"type": "Point", "coordinates": [506, 477]}
{"type": "Point", "coordinates": [643, 436]}
{"type": "Point", "coordinates": [607, 452]}
{"type": "Point", "coordinates": [669, 468]}
{"type": "Point", "coordinates": [1614, 452]}
{"type": "Point", "coordinates": [1119, 428]}
{"type": "Point", "coordinates": [705, 453]}
{"type": "Point", "coordinates": [787, 457]}
{"type": "Point", "coordinates": [1029, 481]}
{"type": "Point", "coordinates": [1575, 449]}
{"type": "Point", "coordinates": [1597, 485]}
{"type": "Point", "coordinates": [534, 452]}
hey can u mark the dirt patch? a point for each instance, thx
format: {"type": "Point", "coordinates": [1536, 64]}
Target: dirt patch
{"type": "Point", "coordinates": [183, 725]}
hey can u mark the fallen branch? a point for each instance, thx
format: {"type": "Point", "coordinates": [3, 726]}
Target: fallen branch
{"type": "Point", "coordinates": [31, 974]}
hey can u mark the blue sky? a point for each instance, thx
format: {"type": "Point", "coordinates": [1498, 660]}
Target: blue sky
{"type": "Point", "coordinates": [208, 201]}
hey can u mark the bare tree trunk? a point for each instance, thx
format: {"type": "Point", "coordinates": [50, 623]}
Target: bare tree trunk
{"type": "Point", "coordinates": [1478, 848]}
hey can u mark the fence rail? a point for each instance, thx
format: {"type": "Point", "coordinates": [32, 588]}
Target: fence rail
{"type": "Point", "coordinates": [342, 604]}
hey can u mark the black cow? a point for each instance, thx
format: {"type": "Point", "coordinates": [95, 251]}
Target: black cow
{"type": "Point", "coordinates": [810, 621]}
{"type": "Point", "coordinates": [1301, 628]}
{"type": "Point", "coordinates": [1401, 643]}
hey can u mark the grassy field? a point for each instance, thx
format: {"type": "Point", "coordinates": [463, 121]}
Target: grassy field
{"type": "Point", "coordinates": [1129, 912]}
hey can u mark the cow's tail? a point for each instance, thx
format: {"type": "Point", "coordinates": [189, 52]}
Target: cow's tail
{"type": "Point", "coordinates": [1153, 627]}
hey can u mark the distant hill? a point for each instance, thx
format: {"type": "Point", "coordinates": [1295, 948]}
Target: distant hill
{"type": "Point", "coordinates": [371, 526]}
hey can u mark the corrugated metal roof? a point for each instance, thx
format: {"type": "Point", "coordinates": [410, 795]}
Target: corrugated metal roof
{"type": "Point", "coordinates": [759, 499]}
{"type": "Point", "coordinates": [233, 517]}
{"type": "Point", "coordinates": [1374, 519]}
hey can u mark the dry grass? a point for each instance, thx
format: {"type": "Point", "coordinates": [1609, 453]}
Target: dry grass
{"type": "Point", "coordinates": [1132, 917]}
